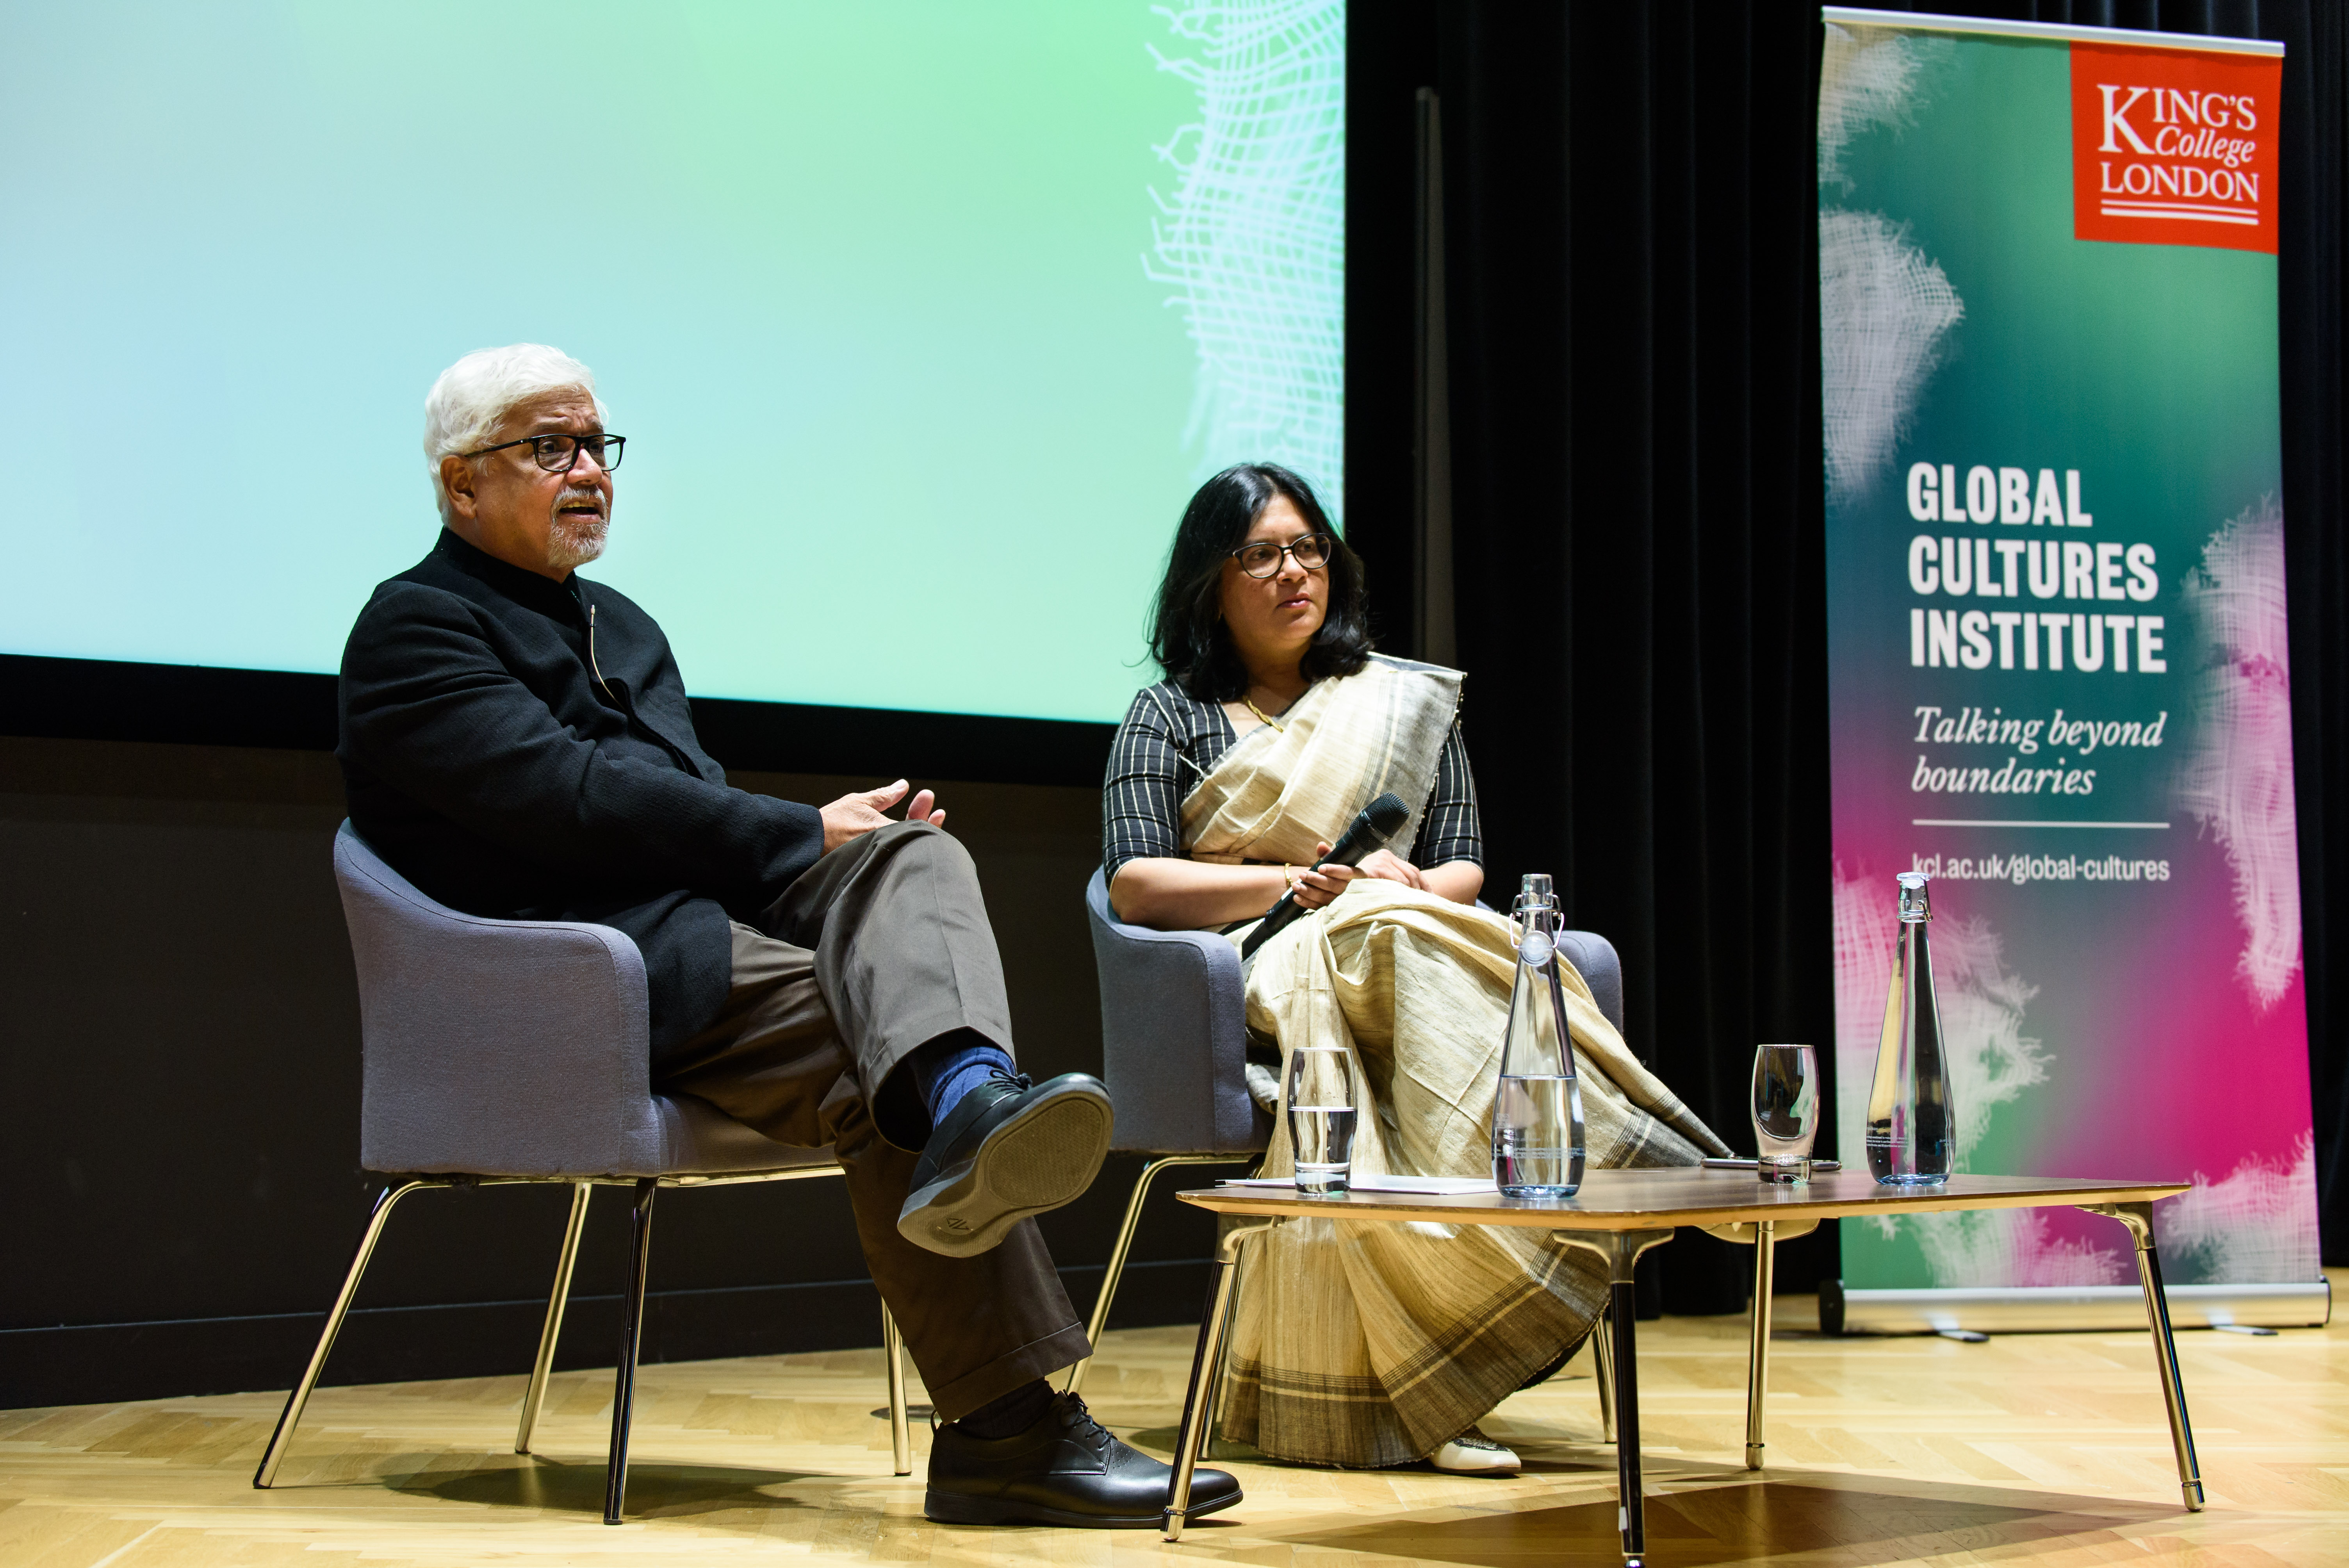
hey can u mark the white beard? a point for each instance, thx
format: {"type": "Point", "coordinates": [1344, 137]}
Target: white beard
{"type": "Point", "coordinates": [574, 544]}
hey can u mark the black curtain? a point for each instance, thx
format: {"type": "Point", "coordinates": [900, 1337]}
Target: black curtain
{"type": "Point", "coordinates": [1630, 222]}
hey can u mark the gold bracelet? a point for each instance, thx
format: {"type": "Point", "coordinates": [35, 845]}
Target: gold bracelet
{"type": "Point", "coordinates": [1290, 872]}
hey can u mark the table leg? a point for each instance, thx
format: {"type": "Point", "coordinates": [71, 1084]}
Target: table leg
{"type": "Point", "coordinates": [1757, 1358]}
{"type": "Point", "coordinates": [1205, 1361]}
{"type": "Point", "coordinates": [2139, 1218]}
{"type": "Point", "coordinates": [1602, 1342]}
{"type": "Point", "coordinates": [1619, 1249]}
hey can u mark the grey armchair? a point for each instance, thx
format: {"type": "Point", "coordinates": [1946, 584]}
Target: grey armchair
{"type": "Point", "coordinates": [1174, 1047]}
{"type": "Point", "coordinates": [501, 1051]}
{"type": "Point", "coordinates": [1174, 1055]}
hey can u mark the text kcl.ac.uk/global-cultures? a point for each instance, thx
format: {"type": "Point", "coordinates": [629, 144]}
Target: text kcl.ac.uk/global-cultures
{"type": "Point", "coordinates": [2028, 868]}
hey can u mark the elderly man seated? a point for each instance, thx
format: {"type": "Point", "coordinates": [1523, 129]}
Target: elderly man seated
{"type": "Point", "coordinates": [517, 741]}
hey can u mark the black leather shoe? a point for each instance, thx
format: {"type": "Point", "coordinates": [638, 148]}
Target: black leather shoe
{"type": "Point", "coordinates": [1008, 1149]}
{"type": "Point", "coordinates": [1067, 1468]}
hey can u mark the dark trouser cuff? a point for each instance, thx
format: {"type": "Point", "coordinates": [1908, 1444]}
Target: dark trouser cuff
{"type": "Point", "coordinates": [1038, 1358]}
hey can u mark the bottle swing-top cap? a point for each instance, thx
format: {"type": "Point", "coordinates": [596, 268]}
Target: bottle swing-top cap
{"type": "Point", "coordinates": [1915, 904]}
{"type": "Point", "coordinates": [1535, 907]}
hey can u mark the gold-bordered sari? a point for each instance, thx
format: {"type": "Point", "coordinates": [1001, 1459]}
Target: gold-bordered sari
{"type": "Point", "coordinates": [1373, 1345]}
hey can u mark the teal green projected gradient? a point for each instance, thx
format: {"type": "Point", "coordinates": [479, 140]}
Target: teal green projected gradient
{"type": "Point", "coordinates": [887, 298]}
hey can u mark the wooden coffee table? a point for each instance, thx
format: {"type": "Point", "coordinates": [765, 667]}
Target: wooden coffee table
{"type": "Point", "coordinates": [1618, 1215]}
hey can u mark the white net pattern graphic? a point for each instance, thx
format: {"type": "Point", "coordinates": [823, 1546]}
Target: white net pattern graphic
{"type": "Point", "coordinates": [2238, 780]}
{"type": "Point", "coordinates": [2257, 1226]}
{"type": "Point", "coordinates": [1884, 305]}
{"type": "Point", "coordinates": [1253, 236]}
{"type": "Point", "coordinates": [1868, 77]}
{"type": "Point", "coordinates": [1884, 309]}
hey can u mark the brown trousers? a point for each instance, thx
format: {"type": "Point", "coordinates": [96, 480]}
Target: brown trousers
{"type": "Point", "coordinates": [883, 946]}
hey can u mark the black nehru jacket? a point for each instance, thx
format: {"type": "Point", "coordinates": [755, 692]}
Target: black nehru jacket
{"type": "Point", "coordinates": [523, 748]}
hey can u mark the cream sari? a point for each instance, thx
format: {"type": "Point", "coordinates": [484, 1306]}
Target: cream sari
{"type": "Point", "coordinates": [1373, 1345]}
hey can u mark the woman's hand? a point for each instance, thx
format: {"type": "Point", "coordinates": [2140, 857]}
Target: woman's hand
{"type": "Point", "coordinates": [1316, 887]}
{"type": "Point", "coordinates": [1173, 894]}
{"type": "Point", "coordinates": [1170, 894]}
{"type": "Point", "coordinates": [1388, 866]}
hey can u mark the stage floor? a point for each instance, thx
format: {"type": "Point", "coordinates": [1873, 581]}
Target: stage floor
{"type": "Point", "coordinates": [2030, 1449]}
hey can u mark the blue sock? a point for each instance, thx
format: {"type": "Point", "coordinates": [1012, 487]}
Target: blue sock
{"type": "Point", "coordinates": [951, 1066]}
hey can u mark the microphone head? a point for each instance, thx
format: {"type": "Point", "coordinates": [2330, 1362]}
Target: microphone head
{"type": "Point", "coordinates": [1386, 815]}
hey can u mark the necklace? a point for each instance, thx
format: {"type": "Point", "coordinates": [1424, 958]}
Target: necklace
{"type": "Point", "coordinates": [1262, 716]}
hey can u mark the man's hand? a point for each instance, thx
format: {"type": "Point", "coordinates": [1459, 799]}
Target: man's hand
{"type": "Point", "coordinates": [853, 816]}
{"type": "Point", "coordinates": [1316, 888]}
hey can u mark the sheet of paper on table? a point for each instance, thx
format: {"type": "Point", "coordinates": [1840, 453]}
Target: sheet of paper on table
{"type": "Point", "coordinates": [1430, 1184]}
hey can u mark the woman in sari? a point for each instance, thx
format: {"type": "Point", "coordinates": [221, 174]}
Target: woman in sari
{"type": "Point", "coordinates": [1355, 1345]}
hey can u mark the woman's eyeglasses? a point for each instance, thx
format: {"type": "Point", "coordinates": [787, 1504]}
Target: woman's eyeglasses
{"type": "Point", "coordinates": [1262, 559]}
{"type": "Point", "coordinates": [560, 454]}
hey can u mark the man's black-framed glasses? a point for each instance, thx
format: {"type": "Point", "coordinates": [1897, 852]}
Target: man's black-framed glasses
{"type": "Point", "coordinates": [560, 454]}
{"type": "Point", "coordinates": [1262, 558]}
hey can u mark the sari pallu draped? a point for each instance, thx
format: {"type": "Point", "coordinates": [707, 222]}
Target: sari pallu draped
{"type": "Point", "coordinates": [1366, 1345]}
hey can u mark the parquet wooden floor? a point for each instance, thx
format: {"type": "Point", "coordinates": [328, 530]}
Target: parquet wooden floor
{"type": "Point", "coordinates": [2031, 1450]}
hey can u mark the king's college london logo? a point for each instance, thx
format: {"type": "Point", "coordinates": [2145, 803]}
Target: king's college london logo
{"type": "Point", "coordinates": [2174, 146]}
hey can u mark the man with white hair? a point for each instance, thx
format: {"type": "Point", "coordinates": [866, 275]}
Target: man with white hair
{"type": "Point", "coordinates": [516, 740]}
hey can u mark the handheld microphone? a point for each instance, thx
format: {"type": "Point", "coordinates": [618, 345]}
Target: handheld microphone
{"type": "Point", "coordinates": [1379, 821]}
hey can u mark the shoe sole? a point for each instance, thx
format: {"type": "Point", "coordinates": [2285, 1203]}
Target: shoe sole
{"type": "Point", "coordinates": [951, 1508]}
{"type": "Point", "coordinates": [1039, 1160]}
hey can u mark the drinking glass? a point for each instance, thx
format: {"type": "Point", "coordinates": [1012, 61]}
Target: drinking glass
{"type": "Point", "coordinates": [1786, 1111]}
{"type": "Point", "coordinates": [1321, 1117]}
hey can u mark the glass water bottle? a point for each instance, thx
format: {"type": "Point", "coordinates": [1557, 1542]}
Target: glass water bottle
{"type": "Point", "coordinates": [1910, 1116]}
{"type": "Point", "coordinates": [1537, 1112]}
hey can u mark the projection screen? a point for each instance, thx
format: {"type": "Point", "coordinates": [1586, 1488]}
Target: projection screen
{"type": "Point", "coordinates": [922, 318]}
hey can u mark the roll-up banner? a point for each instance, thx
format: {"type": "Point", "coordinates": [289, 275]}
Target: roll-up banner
{"type": "Point", "coordinates": [2059, 681]}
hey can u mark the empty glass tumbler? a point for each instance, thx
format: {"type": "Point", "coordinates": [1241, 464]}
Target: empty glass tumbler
{"type": "Point", "coordinates": [1786, 1111]}
{"type": "Point", "coordinates": [1911, 1118]}
{"type": "Point", "coordinates": [1321, 1117]}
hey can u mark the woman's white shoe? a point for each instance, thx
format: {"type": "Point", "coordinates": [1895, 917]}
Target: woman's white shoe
{"type": "Point", "coordinates": [1474, 1453]}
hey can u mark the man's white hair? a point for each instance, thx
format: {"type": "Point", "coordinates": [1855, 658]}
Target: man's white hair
{"type": "Point", "coordinates": [473, 394]}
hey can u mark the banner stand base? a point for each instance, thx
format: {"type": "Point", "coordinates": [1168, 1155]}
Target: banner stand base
{"type": "Point", "coordinates": [2056, 1308]}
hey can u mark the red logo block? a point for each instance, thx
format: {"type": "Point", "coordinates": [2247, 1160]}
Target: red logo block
{"type": "Point", "coordinates": [2174, 146]}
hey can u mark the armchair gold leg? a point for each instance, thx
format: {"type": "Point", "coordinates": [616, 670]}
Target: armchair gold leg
{"type": "Point", "coordinates": [901, 1431]}
{"type": "Point", "coordinates": [1125, 1230]}
{"type": "Point", "coordinates": [291, 1416]}
{"type": "Point", "coordinates": [556, 1302]}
